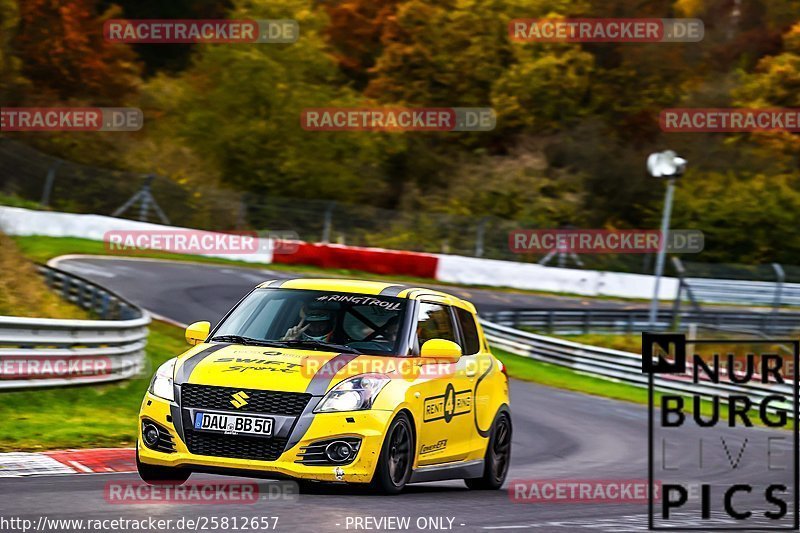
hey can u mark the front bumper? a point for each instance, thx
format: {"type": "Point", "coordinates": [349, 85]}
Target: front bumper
{"type": "Point", "coordinates": [370, 426]}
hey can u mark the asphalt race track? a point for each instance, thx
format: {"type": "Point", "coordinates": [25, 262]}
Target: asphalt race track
{"type": "Point", "coordinates": [187, 292]}
{"type": "Point", "coordinates": [557, 435]}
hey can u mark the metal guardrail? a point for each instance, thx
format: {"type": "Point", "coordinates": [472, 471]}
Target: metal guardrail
{"type": "Point", "coordinates": [45, 352]}
{"type": "Point", "coordinates": [579, 321]}
{"type": "Point", "coordinates": [610, 364]}
{"type": "Point", "coordinates": [744, 292]}
{"type": "Point", "coordinates": [775, 294]}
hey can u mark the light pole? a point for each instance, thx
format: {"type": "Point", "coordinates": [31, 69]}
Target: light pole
{"type": "Point", "coordinates": [669, 166]}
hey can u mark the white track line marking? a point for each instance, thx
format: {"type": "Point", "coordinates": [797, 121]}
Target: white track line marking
{"type": "Point", "coordinates": [81, 467]}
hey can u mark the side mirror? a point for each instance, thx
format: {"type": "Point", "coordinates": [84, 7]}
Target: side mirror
{"type": "Point", "coordinates": [441, 349]}
{"type": "Point", "coordinates": [197, 332]}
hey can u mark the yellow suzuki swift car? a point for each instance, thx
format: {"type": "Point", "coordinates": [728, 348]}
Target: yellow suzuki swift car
{"type": "Point", "coordinates": [335, 381]}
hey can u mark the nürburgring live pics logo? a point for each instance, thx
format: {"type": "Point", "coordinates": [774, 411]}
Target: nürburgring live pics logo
{"type": "Point", "coordinates": [719, 445]}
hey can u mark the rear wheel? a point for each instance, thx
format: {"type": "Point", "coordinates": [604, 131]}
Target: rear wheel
{"type": "Point", "coordinates": [397, 455]}
{"type": "Point", "coordinates": [160, 475]}
{"type": "Point", "coordinates": [497, 458]}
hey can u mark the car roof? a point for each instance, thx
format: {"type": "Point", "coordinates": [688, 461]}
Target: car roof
{"type": "Point", "coordinates": [373, 288]}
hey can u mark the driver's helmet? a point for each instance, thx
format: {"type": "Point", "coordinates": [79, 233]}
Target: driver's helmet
{"type": "Point", "coordinates": [320, 325]}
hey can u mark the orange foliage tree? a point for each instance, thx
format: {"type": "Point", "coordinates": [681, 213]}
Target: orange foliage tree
{"type": "Point", "coordinates": [65, 55]}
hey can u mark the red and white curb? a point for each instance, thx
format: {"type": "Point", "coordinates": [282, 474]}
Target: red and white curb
{"type": "Point", "coordinates": [61, 462]}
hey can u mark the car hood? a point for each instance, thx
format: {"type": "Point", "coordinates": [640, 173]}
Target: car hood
{"type": "Point", "coordinates": [279, 369]}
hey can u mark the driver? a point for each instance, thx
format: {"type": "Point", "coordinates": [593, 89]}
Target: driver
{"type": "Point", "coordinates": [316, 325]}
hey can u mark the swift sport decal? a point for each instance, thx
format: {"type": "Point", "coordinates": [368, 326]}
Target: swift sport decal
{"type": "Point", "coordinates": [243, 364]}
{"type": "Point", "coordinates": [447, 405]}
{"type": "Point", "coordinates": [285, 368]}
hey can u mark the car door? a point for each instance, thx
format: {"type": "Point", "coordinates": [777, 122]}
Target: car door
{"type": "Point", "coordinates": [478, 365]}
{"type": "Point", "coordinates": [447, 426]}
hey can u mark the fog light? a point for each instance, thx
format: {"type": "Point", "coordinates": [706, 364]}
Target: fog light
{"type": "Point", "coordinates": [338, 451]}
{"type": "Point", "coordinates": [150, 434]}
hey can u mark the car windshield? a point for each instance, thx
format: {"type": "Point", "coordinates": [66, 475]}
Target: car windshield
{"type": "Point", "coordinates": [323, 320]}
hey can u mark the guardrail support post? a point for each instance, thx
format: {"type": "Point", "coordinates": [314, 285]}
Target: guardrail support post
{"type": "Point", "coordinates": [65, 288]}
{"type": "Point", "coordinates": [328, 223]}
{"type": "Point", "coordinates": [479, 236]}
{"type": "Point", "coordinates": [104, 305]}
{"type": "Point", "coordinates": [48, 183]}
{"type": "Point", "coordinates": [776, 304]}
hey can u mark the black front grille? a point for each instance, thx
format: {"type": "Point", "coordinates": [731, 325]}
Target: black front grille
{"type": "Point", "coordinates": [258, 401]}
{"type": "Point", "coordinates": [237, 447]}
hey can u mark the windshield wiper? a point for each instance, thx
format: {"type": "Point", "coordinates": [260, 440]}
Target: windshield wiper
{"type": "Point", "coordinates": [248, 341]}
{"type": "Point", "coordinates": [309, 343]}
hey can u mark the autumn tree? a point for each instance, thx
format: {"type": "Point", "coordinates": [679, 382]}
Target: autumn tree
{"type": "Point", "coordinates": [64, 53]}
{"type": "Point", "coordinates": [12, 82]}
{"type": "Point", "coordinates": [238, 109]}
{"type": "Point", "coordinates": [355, 32]}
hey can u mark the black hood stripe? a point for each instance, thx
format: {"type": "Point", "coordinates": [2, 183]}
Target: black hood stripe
{"type": "Point", "coordinates": [317, 387]}
{"type": "Point", "coordinates": [183, 373]}
{"type": "Point", "coordinates": [319, 383]}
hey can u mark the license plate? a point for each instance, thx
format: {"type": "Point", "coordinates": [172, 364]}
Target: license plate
{"type": "Point", "coordinates": [233, 424]}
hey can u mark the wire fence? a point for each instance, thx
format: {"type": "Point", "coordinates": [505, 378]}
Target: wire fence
{"type": "Point", "coordinates": [66, 186]}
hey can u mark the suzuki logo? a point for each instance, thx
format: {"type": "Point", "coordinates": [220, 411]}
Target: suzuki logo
{"type": "Point", "coordinates": [239, 399]}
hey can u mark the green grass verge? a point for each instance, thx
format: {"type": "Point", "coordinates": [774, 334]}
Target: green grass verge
{"type": "Point", "coordinates": [625, 343]}
{"type": "Point", "coordinates": [560, 377]}
{"type": "Point", "coordinates": [12, 200]}
{"type": "Point", "coordinates": [23, 291]}
{"type": "Point", "coordinates": [84, 416]}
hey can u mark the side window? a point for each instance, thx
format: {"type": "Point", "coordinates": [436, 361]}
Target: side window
{"type": "Point", "coordinates": [469, 330]}
{"type": "Point", "coordinates": [434, 323]}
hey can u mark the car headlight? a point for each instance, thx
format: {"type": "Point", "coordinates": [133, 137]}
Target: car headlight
{"type": "Point", "coordinates": [161, 385]}
{"type": "Point", "coordinates": [353, 394]}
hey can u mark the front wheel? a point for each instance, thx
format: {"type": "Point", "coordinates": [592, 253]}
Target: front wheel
{"type": "Point", "coordinates": [497, 458]}
{"type": "Point", "coordinates": [397, 455]}
{"type": "Point", "coordinates": [160, 475]}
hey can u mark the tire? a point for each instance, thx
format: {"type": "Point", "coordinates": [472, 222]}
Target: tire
{"type": "Point", "coordinates": [160, 475]}
{"type": "Point", "coordinates": [397, 455]}
{"type": "Point", "coordinates": [497, 458]}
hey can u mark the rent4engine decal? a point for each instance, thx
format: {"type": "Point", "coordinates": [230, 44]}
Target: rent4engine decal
{"type": "Point", "coordinates": [447, 405]}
